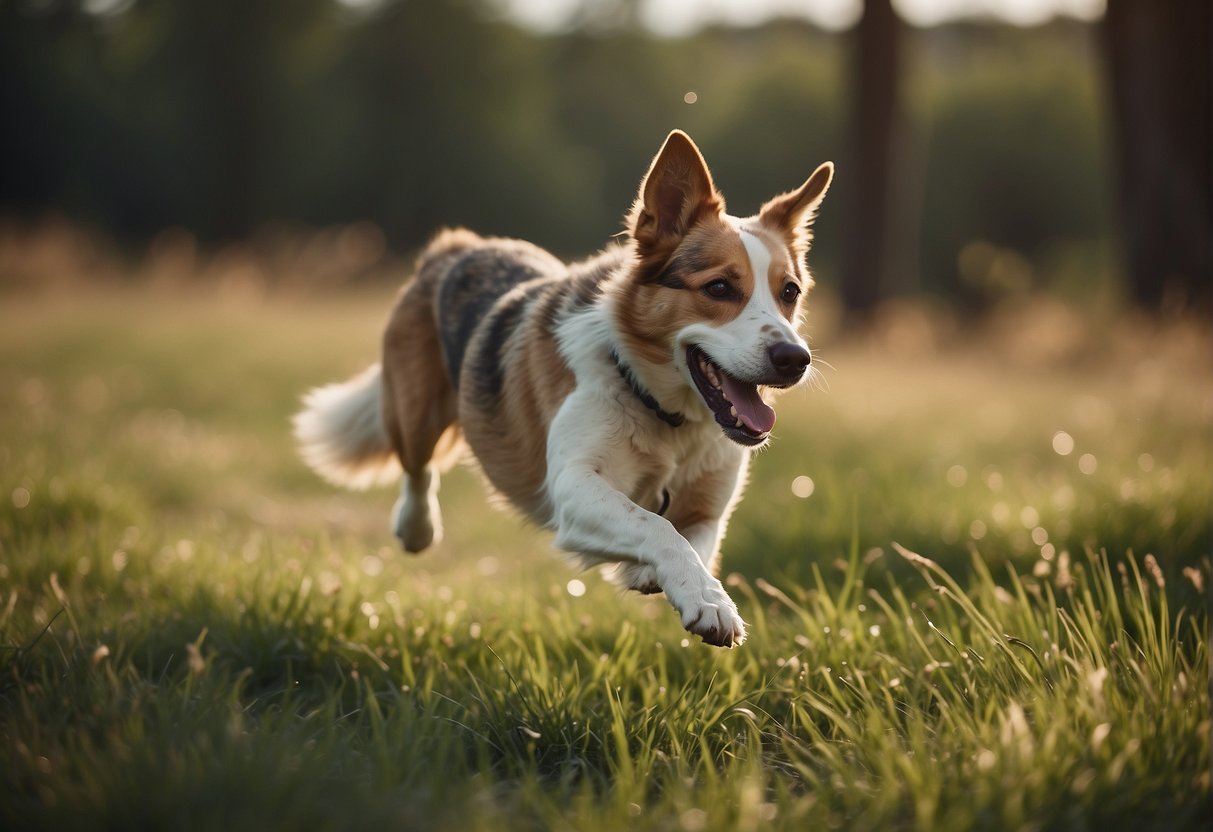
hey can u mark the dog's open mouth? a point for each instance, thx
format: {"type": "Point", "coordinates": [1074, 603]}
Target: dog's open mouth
{"type": "Point", "coordinates": [741, 413]}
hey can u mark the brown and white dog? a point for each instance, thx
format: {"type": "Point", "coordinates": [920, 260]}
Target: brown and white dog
{"type": "Point", "coordinates": [614, 401]}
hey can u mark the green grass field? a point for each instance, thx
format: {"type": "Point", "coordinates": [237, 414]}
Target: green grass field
{"type": "Point", "coordinates": [197, 633]}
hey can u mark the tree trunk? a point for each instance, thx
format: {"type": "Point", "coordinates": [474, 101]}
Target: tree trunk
{"type": "Point", "coordinates": [876, 125]}
{"type": "Point", "coordinates": [1159, 73]}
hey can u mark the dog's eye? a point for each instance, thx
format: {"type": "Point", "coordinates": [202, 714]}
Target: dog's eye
{"type": "Point", "coordinates": [718, 289]}
{"type": "Point", "coordinates": [790, 292]}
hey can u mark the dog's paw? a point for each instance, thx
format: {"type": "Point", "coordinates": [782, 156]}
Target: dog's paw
{"type": "Point", "coordinates": [416, 524]}
{"type": "Point", "coordinates": [714, 618]}
{"type": "Point", "coordinates": [416, 539]}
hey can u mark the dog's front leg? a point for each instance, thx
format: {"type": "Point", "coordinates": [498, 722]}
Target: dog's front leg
{"type": "Point", "coordinates": [700, 513]}
{"type": "Point", "coordinates": [594, 518]}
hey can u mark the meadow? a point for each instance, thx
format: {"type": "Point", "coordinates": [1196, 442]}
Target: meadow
{"type": "Point", "coordinates": [974, 572]}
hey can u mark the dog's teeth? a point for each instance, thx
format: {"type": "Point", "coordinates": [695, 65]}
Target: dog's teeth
{"type": "Point", "coordinates": [709, 370]}
{"type": "Point", "coordinates": [733, 411]}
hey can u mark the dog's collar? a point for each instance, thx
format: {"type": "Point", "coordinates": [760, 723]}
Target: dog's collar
{"type": "Point", "coordinates": [646, 398]}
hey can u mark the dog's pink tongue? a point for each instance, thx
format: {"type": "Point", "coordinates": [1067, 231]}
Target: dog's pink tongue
{"type": "Point", "coordinates": [752, 410]}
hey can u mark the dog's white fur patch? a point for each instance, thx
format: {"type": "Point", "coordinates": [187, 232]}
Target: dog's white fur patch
{"type": "Point", "coordinates": [599, 445]}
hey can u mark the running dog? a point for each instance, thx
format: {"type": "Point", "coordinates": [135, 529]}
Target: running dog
{"type": "Point", "coordinates": [614, 401]}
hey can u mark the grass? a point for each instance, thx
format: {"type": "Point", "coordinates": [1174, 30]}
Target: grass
{"type": "Point", "coordinates": [987, 613]}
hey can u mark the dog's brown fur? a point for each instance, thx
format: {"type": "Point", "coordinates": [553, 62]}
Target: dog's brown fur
{"type": "Point", "coordinates": [594, 395]}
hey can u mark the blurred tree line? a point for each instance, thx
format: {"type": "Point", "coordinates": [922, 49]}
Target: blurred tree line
{"type": "Point", "coordinates": [220, 116]}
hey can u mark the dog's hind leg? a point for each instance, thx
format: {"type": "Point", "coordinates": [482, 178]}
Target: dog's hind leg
{"type": "Point", "coordinates": [419, 415]}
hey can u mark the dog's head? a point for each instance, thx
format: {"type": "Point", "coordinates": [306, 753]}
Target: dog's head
{"type": "Point", "coordinates": [713, 302]}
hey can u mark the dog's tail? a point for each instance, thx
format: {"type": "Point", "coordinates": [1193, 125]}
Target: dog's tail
{"type": "Point", "coordinates": [341, 434]}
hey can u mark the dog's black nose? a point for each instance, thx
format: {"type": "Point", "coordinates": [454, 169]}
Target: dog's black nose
{"type": "Point", "coordinates": [788, 359]}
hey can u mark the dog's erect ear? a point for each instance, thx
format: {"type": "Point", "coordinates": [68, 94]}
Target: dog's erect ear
{"type": "Point", "coordinates": [676, 192]}
{"type": "Point", "coordinates": [792, 213]}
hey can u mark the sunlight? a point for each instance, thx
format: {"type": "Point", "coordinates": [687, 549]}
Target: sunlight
{"type": "Point", "coordinates": [678, 18]}
{"type": "Point", "coordinates": [1018, 12]}
{"type": "Point", "coordinates": [673, 18]}
{"type": "Point", "coordinates": [548, 16]}
{"type": "Point", "coordinates": [107, 8]}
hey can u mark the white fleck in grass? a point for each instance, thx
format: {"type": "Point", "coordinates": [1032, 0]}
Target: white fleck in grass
{"type": "Point", "coordinates": [1063, 443]}
{"type": "Point", "coordinates": [1195, 577]}
{"type": "Point", "coordinates": [1100, 733]}
{"type": "Point", "coordinates": [196, 663]}
{"type": "Point", "coordinates": [957, 476]}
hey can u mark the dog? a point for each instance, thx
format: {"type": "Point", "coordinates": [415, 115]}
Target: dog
{"type": "Point", "coordinates": [615, 401]}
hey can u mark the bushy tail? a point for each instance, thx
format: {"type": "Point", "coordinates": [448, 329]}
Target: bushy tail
{"type": "Point", "coordinates": [341, 434]}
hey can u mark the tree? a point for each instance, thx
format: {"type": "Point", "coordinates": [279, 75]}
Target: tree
{"type": "Point", "coordinates": [1159, 74]}
{"type": "Point", "coordinates": [875, 132]}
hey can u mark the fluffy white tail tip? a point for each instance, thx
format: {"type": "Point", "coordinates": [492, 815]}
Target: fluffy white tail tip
{"type": "Point", "coordinates": [341, 435]}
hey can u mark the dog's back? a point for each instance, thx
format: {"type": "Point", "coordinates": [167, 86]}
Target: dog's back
{"type": "Point", "coordinates": [471, 282]}
{"type": "Point", "coordinates": [483, 311]}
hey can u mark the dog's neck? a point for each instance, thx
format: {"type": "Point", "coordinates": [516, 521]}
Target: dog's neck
{"type": "Point", "coordinates": [646, 398]}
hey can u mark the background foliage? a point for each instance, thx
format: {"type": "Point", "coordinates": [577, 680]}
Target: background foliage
{"type": "Point", "coordinates": [221, 116]}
